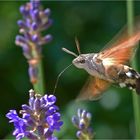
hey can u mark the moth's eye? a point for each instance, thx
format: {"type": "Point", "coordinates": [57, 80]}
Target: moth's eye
{"type": "Point", "coordinates": [82, 61]}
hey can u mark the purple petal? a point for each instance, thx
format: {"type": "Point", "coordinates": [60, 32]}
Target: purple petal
{"type": "Point", "coordinates": [82, 125]}
{"type": "Point", "coordinates": [21, 24]}
{"type": "Point", "coordinates": [50, 120]}
{"type": "Point", "coordinates": [12, 115]}
{"type": "Point", "coordinates": [28, 36]}
{"type": "Point", "coordinates": [52, 138]}
{"type": "Point", "coordinates": [88, 116]}
{"type": "Point", "coordinates": [79, 134]}
{"type": "Point", "coordinates": [48, 133]}
{"type": "Point", "coordinates": [50, 110]}
{"type": "Point", "coordinates": [26, 51]}
{"type": "Point", "coordinates": [35, 38]}
{"type": "Point", "coordinates": [27, 108]}
{"type": "Point", "coordinates": [44, 100]}
{"type": "Point", "coordinates": [37, 104]}
{"type": "Point", "coordinates": [24, 11]}
{"type": "Point", "coordinates": [47, 12]}
{"type": "Point", "coordinates": [34, 26]}
{"type": "Point", "coordinates": [57, 125]}
{"type": "Point", "coordinates": [51, 99]}
{"type": "Point", "coordinates": [30, 121]}
{"type": "Point", "coordinates": [19, 136]}
{"type": "Point", "coordinates": [84, 114]}
{"type": "Point", "coordinates": [36, 17]}
{"type": "Point", "coordinates": [35, 3]}
{"type": "Point", "coordinates": [48, 38]}
{"type": "Point", "coordinates": [31, 102]}
{"type": "Point", "coordinates": [56, 116]}
{"type": "Point", "coordinates": [20, 129]}
{"type": "Point", "coordinates": [75, 121]}
{"type": "Point", "coordinates": [21, 39]}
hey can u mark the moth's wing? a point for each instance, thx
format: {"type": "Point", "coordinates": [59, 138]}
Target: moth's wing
{"type": "Point", "coordinates": [93, 89]}
{"type": "Point", "coordinates": [121, 49]}
{"type": "Point", "coordinates": [122, 53]}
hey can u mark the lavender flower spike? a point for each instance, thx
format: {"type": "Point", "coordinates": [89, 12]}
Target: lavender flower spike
{"type": "Point", "coordinates": [35, 20]}
{"type": "Point", "coordinates": [39, 119]}
{"type": "Point", "coordinates": [82, 122]}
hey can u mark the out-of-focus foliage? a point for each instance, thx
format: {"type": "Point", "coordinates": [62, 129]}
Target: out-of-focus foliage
{"type": "Point", "coordinates": [94, 23]}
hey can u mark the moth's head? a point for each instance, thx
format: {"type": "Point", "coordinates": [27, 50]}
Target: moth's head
{"type": "Point", "coordinates": [80, 61]}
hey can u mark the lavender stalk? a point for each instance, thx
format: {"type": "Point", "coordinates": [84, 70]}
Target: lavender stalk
{"type": "Point", "coordinates": [35, 20]}
{"type": "Point", "coordinates": [136, 98]}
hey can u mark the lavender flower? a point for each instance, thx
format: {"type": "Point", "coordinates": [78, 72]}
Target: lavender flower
{"type": "Point", "coordinates": [35, 20]}
{"type": "Point", "coordinates": [39, 119]}
{"type": "Point", "coordinates": [82, 122]}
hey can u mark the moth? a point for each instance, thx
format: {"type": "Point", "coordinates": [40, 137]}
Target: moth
{"type": "Point", "coordinates": [110, 66]}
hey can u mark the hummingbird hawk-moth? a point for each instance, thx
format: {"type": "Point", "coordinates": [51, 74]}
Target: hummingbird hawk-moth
{"type": "Point", "coordinates": [110, 66]}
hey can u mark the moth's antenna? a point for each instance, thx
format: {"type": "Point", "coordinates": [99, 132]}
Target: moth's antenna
{"type": "Point", "coordinates": [77, 45]}
{"type": "Point", "coordinates": [56, 83]}
{"type": "Point", "coordinates": [69, 52]}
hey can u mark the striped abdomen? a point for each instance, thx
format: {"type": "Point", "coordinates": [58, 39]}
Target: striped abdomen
{"type": "Point", "coordinates": [124, 76]}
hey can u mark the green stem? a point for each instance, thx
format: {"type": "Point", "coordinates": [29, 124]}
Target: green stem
{"type": "Point", "coordinates": [136, 98]}
{"type": "Point", "coordinates": [39, 86]}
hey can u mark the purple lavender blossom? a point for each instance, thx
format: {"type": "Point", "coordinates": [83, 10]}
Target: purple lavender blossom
{"type": "Point", "coordinates": [82, 122]}
{"type": "Point", "coordinates": [35, 20]}
{"type": "Point", "coordinates": [39, 119]}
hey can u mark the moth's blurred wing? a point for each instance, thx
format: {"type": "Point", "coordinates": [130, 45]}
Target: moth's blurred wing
{"type": "Point", "coordinates": [93, 89]}
{"type": "Point", "coordinates": [121, 49]}
{"type": "Point", "coordinates": [122, 53]}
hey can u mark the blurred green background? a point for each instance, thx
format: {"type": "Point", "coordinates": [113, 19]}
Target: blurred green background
{"type": "Point", "coordinates": [94, 23]}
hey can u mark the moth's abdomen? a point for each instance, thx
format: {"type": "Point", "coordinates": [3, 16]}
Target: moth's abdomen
{"type": "Point", "coordinates": [128, 77]}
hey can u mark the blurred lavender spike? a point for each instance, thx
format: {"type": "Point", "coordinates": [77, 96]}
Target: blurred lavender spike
{"type": "Point", "coordinates": [35, 20]}
{"type": "Point", "coordinates": [39, 119]}
{"type": "Point", "coordinates": [82, 122]}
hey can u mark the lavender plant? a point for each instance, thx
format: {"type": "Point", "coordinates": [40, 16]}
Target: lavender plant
{"type": "Point", "coordinates": [35, 20]}
{"type": "Point", "coordinates": [82, 122]}
{"type": "Point", "coordinates": [39, 119]}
